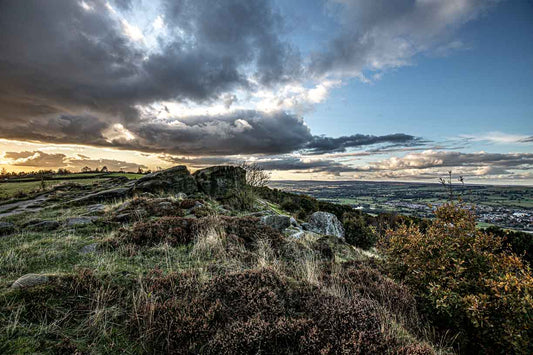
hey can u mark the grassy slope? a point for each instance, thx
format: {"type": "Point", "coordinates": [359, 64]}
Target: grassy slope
{"type": "Point", "coordinates": [92, 299]}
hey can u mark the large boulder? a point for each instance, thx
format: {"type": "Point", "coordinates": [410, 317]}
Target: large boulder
{"type": "Point", "coordinates": [279, 222]}
{"type": "Point", "coordinates": [176, 179]}
{"type": "Point", "coordinates": [325, 223]}
{"type": "Point", "coordinates": [218, 181]}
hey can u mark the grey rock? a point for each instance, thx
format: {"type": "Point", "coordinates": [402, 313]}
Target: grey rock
{"type": "Point", "coordinates": [79, 221]}
{"type": "Point", "coordinates": [306, 226]}
{"type": "Point", "coordinates": [96, 209]}
{"type": "Point", "coordinates": [89, 249]}
{"type": "Point", "coordinates": [173, 180]}
{"type": "Point", "coordinates": [181, 196]}
{"type": "Point", "coordinates": [30, 280]}
{"type": "Point", "coordinates": [326, 223]}
{"type": "Point", "coordinates": [219, 181]}
{"type": "Point", "coordinates": [293, 221]}
{"type": "Point", "coordinates": [43, 225]}
{"type": "Point", "coordinates": [279, 222]}
{"type": "Point", "coordinates": [7, 228]}
{"type": "Point", "coordinates": [106, 195]}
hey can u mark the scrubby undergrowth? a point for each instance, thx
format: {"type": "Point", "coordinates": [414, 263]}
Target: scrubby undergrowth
{"type": "Point", "coordinates": [204, 276]}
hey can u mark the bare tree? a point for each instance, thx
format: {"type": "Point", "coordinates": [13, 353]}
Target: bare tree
{"type": "Point", "coordinates": [256, 175]}
{"type": "Point", "coordinates": [448, 185]}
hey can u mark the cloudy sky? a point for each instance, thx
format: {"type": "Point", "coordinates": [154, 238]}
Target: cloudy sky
{"type": "Point", "coordinates": [323, 89]}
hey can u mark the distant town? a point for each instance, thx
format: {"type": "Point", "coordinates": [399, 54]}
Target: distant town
{"type": "Point", "coordinates": [503, 206]}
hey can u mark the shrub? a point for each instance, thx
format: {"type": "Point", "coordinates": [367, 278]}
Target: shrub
{"type": "Point", "coordinates": [181, 231]}
{"type": "Point", "coordinates": [520, 243]}
{"type": "Point", "coordinates": [466, 281]}
{"type": "Point", "coordinates": [357, 232]}
{"type": "Point", "coordinates": [156, 207]}
{"type": "Point", "coordinates": [242, 199]}
{"type": "Point", "coordinates": [171, 230]}
{"type": "Point", "coordinates": [256, 312]}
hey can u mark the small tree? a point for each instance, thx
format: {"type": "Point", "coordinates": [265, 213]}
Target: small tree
{"type": "Point", "coordinates": [85, 169]}
{"type": "Point", "coordinates": [104, 169]}
{"type": "Point", "coordinates": [358, 232]}
{"type": "Point", "coordinates": [256, 175]}
{"type": "Point", "coordinates": [447, 184]}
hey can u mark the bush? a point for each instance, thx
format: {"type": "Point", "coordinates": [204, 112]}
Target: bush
{"type": "Point", "coordinates": [242, 199]}
{"type": "Point", "coordinates": [466, 281]}
{"type": "Point", "coordinates": [520, 243]}
{"type": "Point", "coordinates": [357, 232]}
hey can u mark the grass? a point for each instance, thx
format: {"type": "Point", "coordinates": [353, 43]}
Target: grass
{"type": "Point", "coordinates": [22, 190]}
{"type": "Point", "coordinates": [109, 301]}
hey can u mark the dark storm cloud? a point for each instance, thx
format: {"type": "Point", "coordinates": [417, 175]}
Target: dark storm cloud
{"type": "Point", "coordinates": [39, 159]}
{"type": "Point", "coordinates": [381, 34]}
{"type": "Point", "coordinates": [241, 132]}
{"type": "Point", "coordinates": [527, 140]}
{"type": "Point", "coordinates": [59, 59]}
{"type": "Point", "coordinates": [321, 144]}
{"type": "Point", "coordinates": [82, 129]}
{"type": "Point", "coordinates": [69, 74]}
{"type": "Point", "coordinates": [246, 132]}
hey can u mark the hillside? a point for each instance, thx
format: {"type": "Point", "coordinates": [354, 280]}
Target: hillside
{"type": "Point", "coordinates": [203, 263]}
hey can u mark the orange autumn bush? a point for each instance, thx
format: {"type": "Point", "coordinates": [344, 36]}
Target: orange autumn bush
{"type": "Point", "coordinates": [466, 281]}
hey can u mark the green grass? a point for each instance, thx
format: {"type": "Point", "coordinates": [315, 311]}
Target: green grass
{"type": "Point", "coordinates": [131, 176]}
{"type": "Point", "coordinates": [22, 190]}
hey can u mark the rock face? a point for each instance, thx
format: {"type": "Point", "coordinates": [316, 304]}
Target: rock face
{"type": "Point", "coordinates": [107, 195]}
{"type": "Point", "coordinates": [217, 181]}
{"type": "Point", "coordinates": [279, 222]}
{"type": "Point", "coordinates": [176, 179]}
{"type": "Point", "coordinates": [30, 280]}
{"type": "Point", "coordinates": [6, 228]}
{"type": "Point", "coordinates": [325, 223]}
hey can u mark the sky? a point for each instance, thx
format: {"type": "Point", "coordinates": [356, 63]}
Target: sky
{"type": "Point", "coordinates": [401, 90]}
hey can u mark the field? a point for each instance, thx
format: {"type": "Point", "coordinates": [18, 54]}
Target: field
{"type": "Point", "coordinates": [504, 206]}
{"type": "Point", "coordinates": [27, 187]}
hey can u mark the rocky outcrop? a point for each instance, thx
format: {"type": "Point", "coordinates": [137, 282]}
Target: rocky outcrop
{"type": "Point", "coordinates": [325, 223]}
{"type": "Point", "coordinates": [106, 195]}
{"type": "Point", "coordinates": [174, 180]}
{"type": "Point", "coordinates": [30, 280]}
{"type": "Point", "coordinates": [218, 181]}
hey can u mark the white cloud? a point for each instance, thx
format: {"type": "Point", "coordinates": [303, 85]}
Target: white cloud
{"type": "Point", "coordinates": [498, 138]}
